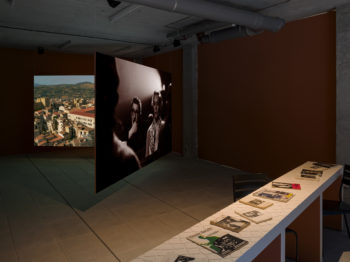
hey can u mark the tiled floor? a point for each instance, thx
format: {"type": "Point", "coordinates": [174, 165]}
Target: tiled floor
{"type": "Point", "coordinates": [49, 212]}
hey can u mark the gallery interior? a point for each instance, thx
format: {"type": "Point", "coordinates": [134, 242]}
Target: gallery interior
{"type": "Point", "coordinates": [257, 87]}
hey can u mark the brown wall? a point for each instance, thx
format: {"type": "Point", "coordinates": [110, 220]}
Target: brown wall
{"type": "Point", "coordinates": [267, 103]}
{"type": "Point", "coordinates": [172, 62]}
{"type": "Point", "coordinates": [17, 69]}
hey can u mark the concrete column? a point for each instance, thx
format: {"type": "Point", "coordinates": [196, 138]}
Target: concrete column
{"type": "Point", "coordinates": [190, 100]}
{"type": "Point", "coordinates": [343, 84]}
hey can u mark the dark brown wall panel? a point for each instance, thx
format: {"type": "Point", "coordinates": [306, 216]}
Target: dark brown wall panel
{"type": "Point", "coordinates": [267, 103]}
{"type": "Point", "coordinates": [307, 225]}
{"type": "Point", "coordinates": [17, 69]}
{"type": "Point", "coordinates": [271, 253]}
{"type": "Point", "coordinates": [172, 62]}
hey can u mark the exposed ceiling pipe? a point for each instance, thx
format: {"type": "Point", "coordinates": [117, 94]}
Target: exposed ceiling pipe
{"type": "Point", "coordinates": [254, 5]}
{"type": "Point", "coordinates": [124, 12]}
{"type": "Point", "coordinates": [217, 12]}
{"type": "Point", "coordinates": [203, 26]}
{"type": "Point", "coordinates": [228, 33]}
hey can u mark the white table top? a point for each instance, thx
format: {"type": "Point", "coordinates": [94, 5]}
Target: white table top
{"type": "Point", "coordinates": [258, 235]}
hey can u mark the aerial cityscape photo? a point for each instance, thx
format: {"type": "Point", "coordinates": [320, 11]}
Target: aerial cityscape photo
{"type": "Point", "coordinates": [64, 110]}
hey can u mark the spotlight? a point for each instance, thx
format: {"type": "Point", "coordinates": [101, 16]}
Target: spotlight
{"type": "Point", "coordinates": [201, 37]}
{"type": "Point", "coordinates": [176, 43]}
{"type": "Point", "coordinates": [156, 49]}
{"type": "Point", "coordinates": [41, 50]}
{"type": "Point", "coordinates": [113, 3]}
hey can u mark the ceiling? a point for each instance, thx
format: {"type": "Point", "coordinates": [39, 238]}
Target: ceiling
{"type": "Point", "coordinates": [128, 30]}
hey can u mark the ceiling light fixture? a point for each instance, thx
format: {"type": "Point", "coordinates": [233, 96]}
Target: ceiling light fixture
{"type": "Point", "coordinates": [11, 2]}
{"type": "Point", "coordinates": [176, 42]}
{"type": "Point", "coordinates": [41, 50]}
{"type": "Point", "coordinates": [113, 3]}
{"type": "Point", "coordinates": [156, 49]}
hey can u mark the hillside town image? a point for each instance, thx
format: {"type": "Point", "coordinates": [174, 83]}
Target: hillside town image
{"type": "Point", "coordinates": [64, 111]}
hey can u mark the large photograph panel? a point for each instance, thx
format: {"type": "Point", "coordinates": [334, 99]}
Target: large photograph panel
{"type": "Point", "coordinates": [133, 118]}
{"type": "Point", "coordinates": [64, 110]}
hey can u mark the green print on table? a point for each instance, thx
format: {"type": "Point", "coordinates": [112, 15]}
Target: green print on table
{"type": "Point", "coordinates": [211, 243]}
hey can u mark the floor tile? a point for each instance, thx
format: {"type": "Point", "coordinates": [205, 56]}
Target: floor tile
{"type": "Point", "coordinates": [49, 211]}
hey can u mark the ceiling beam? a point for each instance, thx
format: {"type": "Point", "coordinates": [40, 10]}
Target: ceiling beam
{"type": "Point", "coordinates": [192, 29]}
{"type": "Point", "coordinates": [64, 44]}
{"type": "Point", "coordinates": [122, 13]}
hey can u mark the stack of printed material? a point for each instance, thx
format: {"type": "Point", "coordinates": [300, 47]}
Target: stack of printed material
{"type": "Point", "coordinates": [254, 215]}
{"type": "Point", "coordinates": [274, 195]}
{"type": "Point", "coordinates": [255, 202]}
{"type": "Point", "coordinates": [234, 224]}
{"type": "Point", "coordinates": [217, 241]}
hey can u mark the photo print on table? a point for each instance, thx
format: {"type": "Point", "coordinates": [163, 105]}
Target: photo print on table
{"type": "Point", "coordinates": [253, 213]}
{"type": "Point", "coordinates": [277, 195]}
{"type": "Point", "coordinates": [255, 216]}
{"type": "Point", "coordinates": [286, 185]}
{"type": "Point", "coordinates": [310, 174]}
{"type": "Point", "coordinates": [255, 202]}
{"type": "Point", "coordinates": [217, 241]}
{"type": "Point", "coordinates": [323, 165]}
{"type": "Point", "coordinates": [231, 223]}
{"type": "Point", "coordinates": [173, 256]}
{"type": "Point", "coordinates": [184, 259]}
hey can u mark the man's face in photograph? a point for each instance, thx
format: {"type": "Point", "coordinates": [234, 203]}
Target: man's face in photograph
{"type": "Point", "coordinates": [135, 112]}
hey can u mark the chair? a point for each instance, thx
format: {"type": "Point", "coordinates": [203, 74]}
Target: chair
{"type": "Point", "coordinates": [335, 207]}
{"type": "Point", "coordinates": [246, 183]}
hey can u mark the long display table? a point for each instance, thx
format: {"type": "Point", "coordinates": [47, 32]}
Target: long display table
{"type": "Point", "coordinates": [266, 240]}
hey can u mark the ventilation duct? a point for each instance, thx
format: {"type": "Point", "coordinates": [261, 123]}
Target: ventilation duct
{"type": "Point", "coordinates": [217, 12]}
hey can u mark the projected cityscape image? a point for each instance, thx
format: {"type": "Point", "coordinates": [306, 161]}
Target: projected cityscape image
{"type": "Point", "coordinates": [64, 110]}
